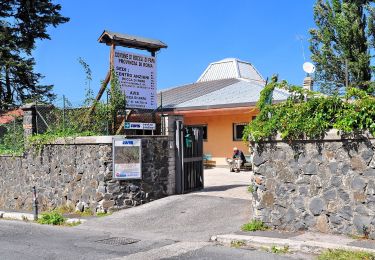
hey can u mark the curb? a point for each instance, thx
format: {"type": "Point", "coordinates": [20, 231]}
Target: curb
{"type": "Point", "coordinates": [30, 217]}
{"type": "Point", "coordinates": [305, 246]}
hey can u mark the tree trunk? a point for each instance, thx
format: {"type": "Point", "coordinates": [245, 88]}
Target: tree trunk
{"type": "Point", "coordinates": [8, 96]}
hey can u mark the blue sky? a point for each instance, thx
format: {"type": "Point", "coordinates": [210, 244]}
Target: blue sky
{"type": "Point", "coordinates": [197, 33]}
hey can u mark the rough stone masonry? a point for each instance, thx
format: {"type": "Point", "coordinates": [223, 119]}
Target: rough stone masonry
{"type": "Point", "coordinates": [320, 185]}
{"type": "Point", "coordinates": [79, 174]}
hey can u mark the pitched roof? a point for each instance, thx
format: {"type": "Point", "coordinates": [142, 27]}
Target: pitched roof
{"type": "Point", "coordinates": [171, 98]}
{"type": "Point", "coordinates": [242, 93]}
{"type": "Point", "coordinates": [226, 83]}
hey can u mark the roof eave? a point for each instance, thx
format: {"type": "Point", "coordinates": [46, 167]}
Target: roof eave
{"type": "Point", "coordinates": [131, 41]}
{"type": "Point", "coordinates": [232, 105]}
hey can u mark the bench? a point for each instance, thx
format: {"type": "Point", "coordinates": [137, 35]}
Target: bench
{"type": "Point", "coordinates": [208, 162]}
{"type": "Point", "coordinates": [248, 165]}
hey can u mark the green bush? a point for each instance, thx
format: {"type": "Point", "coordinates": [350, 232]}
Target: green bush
{"type": "Point", "coordinates": [307, 114]}
{"type": "Point", "coordinates": [12, 143]}
{"type": "Point", "coordinates": [254, 225]}
{"type": "Point", "coordinates": [51, 218]}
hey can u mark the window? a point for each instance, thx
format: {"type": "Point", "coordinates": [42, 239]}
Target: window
{"type": "Point", "coordinates": [204, 127]}
{"type": "Point", "coordinates": [238, 130]}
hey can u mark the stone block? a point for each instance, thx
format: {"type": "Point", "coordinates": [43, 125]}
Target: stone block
{"type": "Point", "coordinates": [107, 204]}
{"type": "Point", "coordinates": [322, 224]}
{"type": "Point", "coordinates": [358, 164]}
{"type": "Point", "coordinates": [358, 183]}
{"type": "Point", "coordinates": [317, 206]}
{"type": "Point", "coordinates": [359, 196]}
{"type": "Point", "coordinates": [361, 223]}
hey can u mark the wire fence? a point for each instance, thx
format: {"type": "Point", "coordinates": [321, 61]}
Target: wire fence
{"type": "Point", "coordinates": [79, 118]}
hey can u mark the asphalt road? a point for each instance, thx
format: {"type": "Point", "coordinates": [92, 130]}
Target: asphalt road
{"type": "Point", "coordinates": [176, 227]}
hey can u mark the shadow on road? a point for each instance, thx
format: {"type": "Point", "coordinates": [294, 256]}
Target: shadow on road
{"type": "Point", "coordinates": [221, 188]}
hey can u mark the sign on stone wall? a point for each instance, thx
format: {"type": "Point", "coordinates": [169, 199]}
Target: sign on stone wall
{"type": "Point", "coordinates": [127, 159]}
{"type": "Point", "coordinates": [137, 77]}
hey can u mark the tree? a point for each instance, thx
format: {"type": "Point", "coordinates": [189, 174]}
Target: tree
{"type": "Point", "coordinates": [22, 22]}
{"type": "Point", "coordinates": [342, 42]}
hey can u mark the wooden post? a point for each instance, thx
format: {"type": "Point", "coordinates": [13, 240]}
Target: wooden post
{"type": "Point", "coordinates": [112, 57]}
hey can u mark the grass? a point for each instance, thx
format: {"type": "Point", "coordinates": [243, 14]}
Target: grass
{"type": "Point", "coordinates": [338, 254]}
{"type": "Point", "coordinates": [237, 243]}
{"type": "Point", "coordinates": [254, 225]}
{"type": "Point", "coordinates": [250, 189]}
{"type": "Point", "coordinates": [103, 214]}
{"type": "Point", "coordinates": [51, 218]}
{"type": "Point", "coordinates": [86, 213]}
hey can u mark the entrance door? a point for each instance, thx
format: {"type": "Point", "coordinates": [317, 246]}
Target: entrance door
{"type": "Point", "coordinates": [189, 172]}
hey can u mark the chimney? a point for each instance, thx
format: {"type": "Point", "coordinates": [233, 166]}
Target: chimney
{"type": "Point", "coordinates": [308, 83]}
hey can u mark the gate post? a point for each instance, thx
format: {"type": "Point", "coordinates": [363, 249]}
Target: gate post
{"type": "Point", "coordinates": [175, 159]}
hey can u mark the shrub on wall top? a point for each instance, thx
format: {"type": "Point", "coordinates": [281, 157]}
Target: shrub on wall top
{"type": "Point", "coordinates": [307, 114]}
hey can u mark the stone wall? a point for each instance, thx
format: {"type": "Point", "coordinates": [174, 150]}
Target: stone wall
{"type": "Point", "coordinates": [324, 185]}
{"type": "Point", "coordinates": [78, 172]}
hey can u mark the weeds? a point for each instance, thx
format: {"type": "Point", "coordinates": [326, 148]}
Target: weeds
{"type": "Point", "coordinates": [103, 214]}
{"type": "Point", "coordinates": [338, 254]}
{"type": "Point", "coordinates": [280, 250]}
{"type": "Point", "coordinates": [73, 224]}
{"type": "Point", "coordinates": [237, 243]}
{"type": "Point", "coordinates": [254, 225]}
{"type": "Point", "coordinates": [251, 189]}
{"type": "Point", "coordinates": [51, 218]}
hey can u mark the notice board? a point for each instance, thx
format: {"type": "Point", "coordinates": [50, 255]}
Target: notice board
{"type": "Point", "coordinates": [137, 78]}
{"type": "Point", "coordinates": [127, 159]}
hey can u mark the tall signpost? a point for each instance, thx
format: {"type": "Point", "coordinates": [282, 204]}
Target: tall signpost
{"type": "Point", "coordinates": [136, 72]}
{"type": "Point", "coordinates": [137, 78]}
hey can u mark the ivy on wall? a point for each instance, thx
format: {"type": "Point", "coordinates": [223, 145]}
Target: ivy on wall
{"type": "Point", "coordinates": [307, 114]}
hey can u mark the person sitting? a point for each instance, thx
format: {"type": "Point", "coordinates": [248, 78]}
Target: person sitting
{"type": "Point", "coordinates": [239, 157]}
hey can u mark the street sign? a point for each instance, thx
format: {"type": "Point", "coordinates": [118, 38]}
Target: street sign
{"type": "Point", "coordinates": [140, 126]}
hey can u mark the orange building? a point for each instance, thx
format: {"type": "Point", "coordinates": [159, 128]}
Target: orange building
{"type": "Point", "coordinates": [222, 101]}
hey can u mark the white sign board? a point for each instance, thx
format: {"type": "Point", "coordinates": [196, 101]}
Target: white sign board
{"type": "Point", "coordinates": [137, 77]}
{"type": "Point", "coordinates": [127, 159]}
{"type": "Point", "coordinates": [141, 126]}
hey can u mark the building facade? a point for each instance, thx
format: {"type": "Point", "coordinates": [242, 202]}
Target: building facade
{"type": "Point", "coordinates": [222, 101]}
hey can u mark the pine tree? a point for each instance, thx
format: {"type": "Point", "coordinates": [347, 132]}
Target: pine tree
{"type": "Point", "coordinates": [342, 42]}
{"type": "Point", "coordinates": [22, 22]}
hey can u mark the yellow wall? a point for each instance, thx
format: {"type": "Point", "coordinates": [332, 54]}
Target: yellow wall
{"type": "Point", "coordinates": [220, 134]}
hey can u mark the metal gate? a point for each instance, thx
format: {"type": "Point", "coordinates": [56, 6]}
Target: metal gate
{"type": "Point", "coordinates": [189, 161]}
